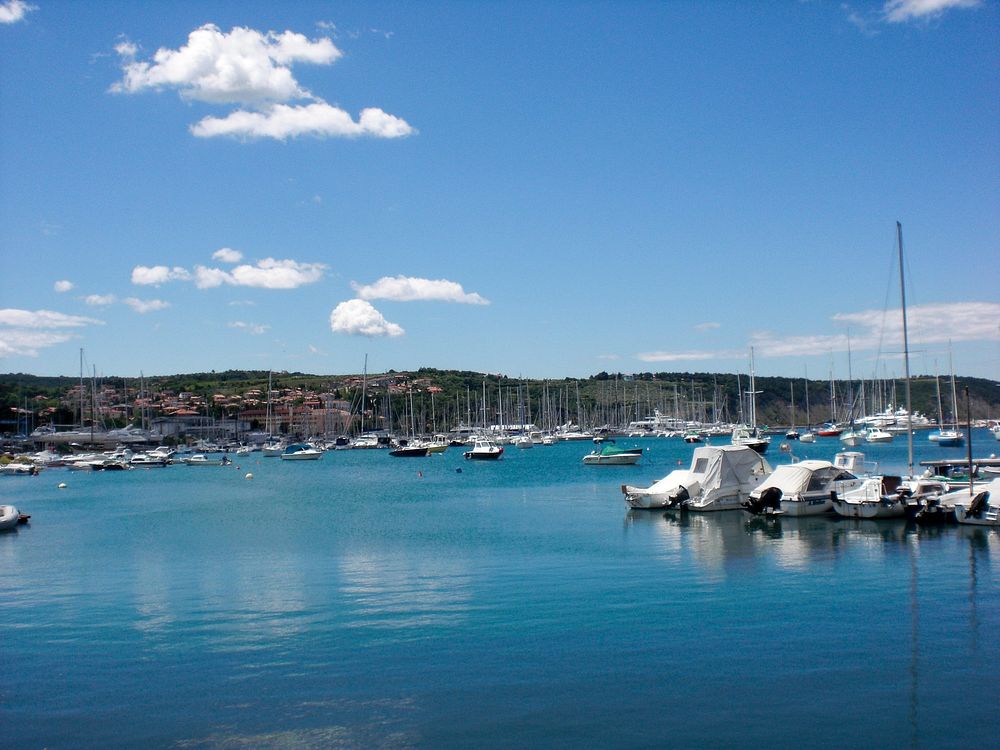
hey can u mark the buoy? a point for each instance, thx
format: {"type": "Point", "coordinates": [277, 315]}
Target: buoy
{"type": "Point", "coordinates": [420, 474]}
{"type": "Point", "coordinates": [458, 471]}
{"type": "Point", "coordinates": [61, 486]}
{"type": "Point", "coordinates": [249, 475]}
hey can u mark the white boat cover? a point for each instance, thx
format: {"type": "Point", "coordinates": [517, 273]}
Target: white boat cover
{"type": "Point", "coordinates": [713, 468]}
{"type": "Point", "coordinates": [794, 479]}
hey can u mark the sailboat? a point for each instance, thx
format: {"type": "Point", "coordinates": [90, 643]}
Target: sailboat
{"type": "Point", "coordinates": [949, 437]}
{"type": "Point", "coordinates": [888, 496]}
{"type": "Point", "coordinates": [808, 436]}
{"type": "Point", "coordinates": [751, 436]}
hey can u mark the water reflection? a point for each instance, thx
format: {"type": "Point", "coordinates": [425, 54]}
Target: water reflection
{"type": "Point", "coordinates": [396, 592]}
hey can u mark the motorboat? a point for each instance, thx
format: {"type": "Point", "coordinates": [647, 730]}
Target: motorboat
{"type": "Point", "coordinates": [720, 478]}
{"type": "Point", "coordinates": [483, 449]}
{"type": "Point", "coordinates": [301, 452]}
{"type": "Point", "coordinates": [10, 517]}
{"type": "Point", "coordinates": [415, 450]}
{"type": "Point", "coordinates": [877, 435]}
{"type": "Point", "coordinates": [613, 455]}
{"type": "Point", "coordinates": [979, 506]}
{"type": "Point", "coordinates": [693, 437]}
{"type": "Point", "coordinates": [751, 437]}
{"type": "Point", "coordinates": [148, 461]}
{"type": "Point", "coordinates": [524, 441]}
{"type": "Point", "coordinates": [200, 459]}
{"type": "Point", "coordinates": [887, 497]}
{"type": "Point", "coordinates": [806, 488]}
{"type": "Point", "coordinates": [807, 437]}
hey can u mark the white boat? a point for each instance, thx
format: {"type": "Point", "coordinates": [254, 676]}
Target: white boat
{"type": "Point", "coordinates": [524, 441]}
{"type": "Point", "coordinates": [877, 435]}
{"type": "Point", "coordinates": [980, 506]}
{"type": "Point", "coordinates": [200, 459]}
{"type": "Point", "coordinates": [853, 438]}
{"type": "Point", "coordinates": [9, 517]}
{"type": "Point", "coordinates": [807, 437]}
{"type": "Point", "coordinates": [301, 452]}
{"type": "Point", "coordinates": [273, 449]}
{"type": "Point", "coordinates": [148, 461]}
{"type": "Point", "coordinates": [720, 478]}
{"type": "Point", "coordinates": [887, 497]}
{"type": "Point", "coordinates": [803, 489]}
{"type": "Point", "coordinates": [612, 455]}
{"type": "Point", "coordinates": [750, 437]}
{"type": "Point", "coordinates": [484, 449]}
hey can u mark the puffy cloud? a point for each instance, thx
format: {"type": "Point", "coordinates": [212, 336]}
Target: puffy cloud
{"type": "Point", "coordinates": [900, 11]}
{"type": "Point", "coordinates": [227, 255]}
{"type": "Point", "coordinates": [13, 11]}
{"type": "Point", "coordinates": [62, 286]}
{"type": "Point", "coordinates": [357, 317]}
{"type": "Point", "coordinates": [143, 306]}
{"type": "Point", "coordinates": [251, 328]}
{"type": "Point", "coordinates": [243, 66]}
{"type": "Point", "coordinates": [409, 289]}
{"type": "Point", "coordinates": [282, 121]}
{"type": "Point", "coordinates": [24, 332]}
{"type": "Point", "coordinates": [99, 300]}
{"type": "Point", "coordinates": [153, 275]}
{"type": "Point", "coordinates": [267, 274]}
{"type": "Point", "coordinates": [252, 69]}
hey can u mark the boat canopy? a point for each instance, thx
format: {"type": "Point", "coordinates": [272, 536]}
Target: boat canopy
{"type": "Point", "coordinates": [715, 467]}
{"type": "Point", "coordinates": [805, 476]}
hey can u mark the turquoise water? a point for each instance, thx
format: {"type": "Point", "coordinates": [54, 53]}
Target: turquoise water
{"type": "Point", "coordinates": [364, 601]}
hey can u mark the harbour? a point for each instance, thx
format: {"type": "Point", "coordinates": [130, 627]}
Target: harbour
{"type": "Point", "coordinates": [363, 601]}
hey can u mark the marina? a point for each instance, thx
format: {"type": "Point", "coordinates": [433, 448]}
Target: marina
{"type": "Point", "coordinates": [365, 601]}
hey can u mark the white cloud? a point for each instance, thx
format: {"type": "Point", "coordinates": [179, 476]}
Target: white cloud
{"type": "Point", "coordinates": [155, 275]}
{"type": "Point", "coordinates": [43, 319]}
{"type": "Point", "coordinates": [408, 289]}
{"type": "Point", "coordinates": [707, 326]}
{"type": "Point", "coordinates": [359, 318]}
{"type": "Point", "coordinates": [680, 356]}
{"type": "Point", "coordinates": [253, 70]}
{"type": "Point", "coordinates": [267, 274]}
{"type": "Point", "coordinates": [227, 255]}
{"type": "Point", "coordinates": [900, 11]}
{"type": "Point", "coordinates": [63, 286]}
{"type": "Point", "coordinates": [13, 11]}
{"type": "Point", "coordinates": [24, 332]}
{"type": "Point", "coordinates": [319, 119]}
{"type": "Point", "coordinates": [143, 306]}
{"type": "Point", "coordinates": [251, 328]}
{"type": "Point", "coordinates": [99, 300]}
{"type": "Point", "coordinates": [243, 66]}
{"type": "Point", "coordinates": [882, 330]}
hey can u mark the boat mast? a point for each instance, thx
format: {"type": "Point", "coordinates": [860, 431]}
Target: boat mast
{"type": "Point", "coordinates": [364, 387]}
{"type": "Point", "coordinates": [906, 352]}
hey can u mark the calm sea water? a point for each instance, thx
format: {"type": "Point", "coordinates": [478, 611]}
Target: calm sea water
{"type": "Point", "coordinates": [363, 601]}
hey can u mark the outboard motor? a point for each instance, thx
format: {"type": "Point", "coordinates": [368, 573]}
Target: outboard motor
{"type": "Point", "coordinates": [978, 505]}
{"type": "Point", "coordinates": [680, 498]}
{"type": "Point", "coordinates": [769, 501]}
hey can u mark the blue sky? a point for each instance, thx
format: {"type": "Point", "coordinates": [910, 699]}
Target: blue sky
{"type": "Point", "coordinates": [539, 189]}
